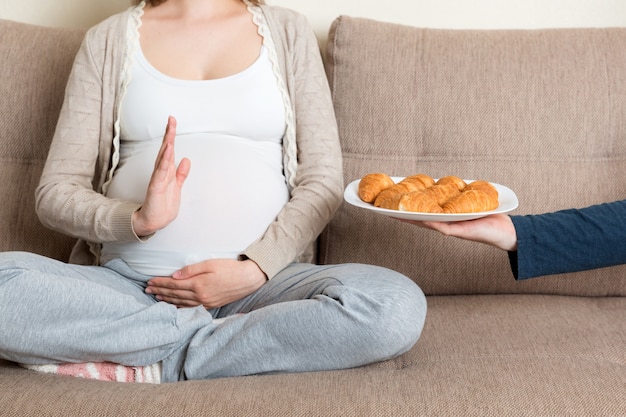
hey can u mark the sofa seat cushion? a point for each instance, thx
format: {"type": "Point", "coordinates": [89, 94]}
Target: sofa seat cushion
{"type": "Point", "coordinates": [479, 355]}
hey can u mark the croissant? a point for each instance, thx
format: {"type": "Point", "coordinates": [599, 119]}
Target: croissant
{"type": "Point", "coordinates": [480, 198]}
{"type": "Point", "coordinates": [443, 192]}
{"type": "Point", "coordinates": [420, 180]}
{"type": "Point", "coordinates": [420, 201]}
{"type": "Point", "coordinates": [451, 179]}
{"type": "Point", "coordinates": [390, 197]}
{"type": "Point", "coordinates": [372, 184]}
{"type": "Point", "coordinates": [484, 186]}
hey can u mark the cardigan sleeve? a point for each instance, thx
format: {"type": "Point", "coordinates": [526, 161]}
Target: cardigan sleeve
{"type": "Point", "coordinates": [318, 188]}
{"type": "Point", "coordinates": [68, 198]}
{"type": "Point", "coordinates": [570, 240]}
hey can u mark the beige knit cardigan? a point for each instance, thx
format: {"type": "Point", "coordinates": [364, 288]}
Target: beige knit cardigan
{"type": "Point", "coordinates": [71, 197]}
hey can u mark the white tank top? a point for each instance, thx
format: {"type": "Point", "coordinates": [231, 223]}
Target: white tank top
{"type": "Point", "coordinates": [231, 129]}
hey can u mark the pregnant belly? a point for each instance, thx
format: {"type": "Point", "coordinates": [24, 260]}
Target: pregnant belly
{"type": "Point", "coordinates": [234, 191]}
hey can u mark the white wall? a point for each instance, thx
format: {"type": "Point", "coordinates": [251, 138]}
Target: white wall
{"type": "Point", "coordinates": [466, 14]}
{"type": "Point", "coordinates": [67, 13]}
{"type": "Point", "coordinates": [427, 13]}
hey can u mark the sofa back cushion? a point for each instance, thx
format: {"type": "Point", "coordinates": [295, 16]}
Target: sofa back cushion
{"type": "Point", "coordinates": [542, 112]}
{"type": "Point", "coordinates": [36, 62]}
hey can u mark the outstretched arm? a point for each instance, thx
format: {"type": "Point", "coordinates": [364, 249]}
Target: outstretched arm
{"type": "Point", "coordinates": [551, 243]}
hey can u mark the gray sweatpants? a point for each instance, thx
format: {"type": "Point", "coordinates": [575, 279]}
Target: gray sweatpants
{"type": "Point", "coordinates": [306, 318]}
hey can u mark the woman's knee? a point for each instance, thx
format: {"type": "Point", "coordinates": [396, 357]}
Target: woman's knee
{"type": "Point", "coordinates": [12, 263]}
{"type": "Point", "coordinates": [395, 306]}
{"type": "Point", "coordinates": [19, 259]}
{"type": "Point", "coordinates": [403, 315]}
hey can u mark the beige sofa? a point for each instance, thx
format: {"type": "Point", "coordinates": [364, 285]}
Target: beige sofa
{"type": "Point", "coordinates": [543, 112]}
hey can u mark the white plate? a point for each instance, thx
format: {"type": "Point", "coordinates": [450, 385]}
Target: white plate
{"type": "Point", "coordinates": [506, 196]}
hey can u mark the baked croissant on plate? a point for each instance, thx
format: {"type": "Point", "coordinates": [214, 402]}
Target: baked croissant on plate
{"type": "Point", "coordinates": [483, 186]}
{"type": "Point", "coordinates": [372, 184]}
{"type": "Point", "coordinates": [389, 198]}
{"type": "Point", "coordinates": [419, 201]}
{"type": "Point", "coordinates": [421, 181]}
{"type": "Point", "coordinates": [451, 179]}
{"type": "Point", "coordinates": [472, 201]}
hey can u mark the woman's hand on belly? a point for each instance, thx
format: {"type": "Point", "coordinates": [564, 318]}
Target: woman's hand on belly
{"type": "Point", "coordinates": [162, 201]}
{"type": "Point", "coordinates": [212, 283]}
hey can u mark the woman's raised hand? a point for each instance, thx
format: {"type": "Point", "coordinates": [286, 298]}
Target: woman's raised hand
{"type": "Point", "coordinates": [162, 201]}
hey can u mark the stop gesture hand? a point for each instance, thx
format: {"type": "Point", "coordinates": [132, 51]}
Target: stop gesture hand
{"type": "Point", "coordinates": [162, 201]}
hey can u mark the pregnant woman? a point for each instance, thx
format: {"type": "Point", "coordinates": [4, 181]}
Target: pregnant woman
{"type": "Point", "coordinates": [194, 245]}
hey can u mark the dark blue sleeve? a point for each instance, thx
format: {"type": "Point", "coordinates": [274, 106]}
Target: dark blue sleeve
{"type": "Point", "coordinates": [570, 240]}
